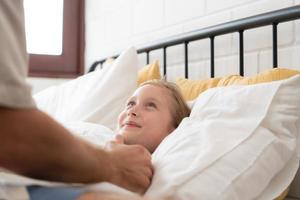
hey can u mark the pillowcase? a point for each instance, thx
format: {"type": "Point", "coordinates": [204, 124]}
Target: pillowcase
{"type": "Point", "coordinates": [97, 97]}
{"type": "Point", "coordinates": [240, 142]}
{"type": "Point", "coordinates": [263, 77]}
{"type": "Point", "coordinates": [96, 134]}
{"type": "Point", "coordinates": [192, 88]}
{"type": "Point", "coordinates": [149, 72]}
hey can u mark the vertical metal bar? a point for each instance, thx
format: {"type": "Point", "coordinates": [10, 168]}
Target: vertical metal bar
{"type": "Point", "coordinates": [212, 57]}
{"type": "Point", "coordinates": [186, 59]}
{"type": "Point", "coordinates": [241, 34]}
{"type": "Point", "coordinates": [275, 47]}
{"type": "Point", "coordinates": [95, 65]}
{"type": "Point", "coordinates": [147, 57]}
{"type": "Point", "coordinates": [165, 61]}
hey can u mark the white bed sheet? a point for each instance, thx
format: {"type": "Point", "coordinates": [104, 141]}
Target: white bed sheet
{"type": "Point", "coordinates": [209, 157]}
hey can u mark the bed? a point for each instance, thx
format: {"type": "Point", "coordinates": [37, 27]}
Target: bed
{"type": "Point", "coordinates": [196, 161]}
{"type": "Point", "coordinates": [272, 19]}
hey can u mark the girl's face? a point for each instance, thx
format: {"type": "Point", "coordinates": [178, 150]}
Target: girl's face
{"type": "Point", "coordinates": [146, 119]}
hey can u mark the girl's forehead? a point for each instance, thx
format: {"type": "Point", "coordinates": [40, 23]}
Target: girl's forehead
{"type": "Point", "coordinates": [159, 94]}
{"type": "Point", "coordinates": [151, 91]}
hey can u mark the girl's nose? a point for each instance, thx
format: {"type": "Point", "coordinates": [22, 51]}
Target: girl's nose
{"type": "Point", "coordinates": [132, 111]}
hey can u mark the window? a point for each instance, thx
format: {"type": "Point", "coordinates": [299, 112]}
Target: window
{"type": "Point", "coordinates": [55, 37]}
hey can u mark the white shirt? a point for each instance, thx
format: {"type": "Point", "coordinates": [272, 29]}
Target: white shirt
{"type": "Point", "coordinates": [14, 91]}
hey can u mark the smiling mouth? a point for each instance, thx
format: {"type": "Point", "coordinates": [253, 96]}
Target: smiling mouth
{"type": "Point", "coordinates": [132, 124]}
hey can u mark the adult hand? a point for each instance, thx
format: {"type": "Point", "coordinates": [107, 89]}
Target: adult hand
{"type": "Point", "coordinates": [131, 165]}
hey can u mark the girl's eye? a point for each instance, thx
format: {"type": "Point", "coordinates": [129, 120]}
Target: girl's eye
{"type": "Point", "coordinates": [151, 104]}
{"type": "Point", "coordinates": [130, 103]}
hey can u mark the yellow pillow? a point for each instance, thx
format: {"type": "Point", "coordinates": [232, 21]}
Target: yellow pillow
{"type": "Point", "coordinates": [149, 72]}
{"type": "Point", "coordinates": [192, 88]}
{"type": "Point", "coordinates": [263, 77]}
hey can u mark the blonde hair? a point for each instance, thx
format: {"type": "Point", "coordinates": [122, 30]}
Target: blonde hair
{"type": "Point", "coordinates": [179, 108]}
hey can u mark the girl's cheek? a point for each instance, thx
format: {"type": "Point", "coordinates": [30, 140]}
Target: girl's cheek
{"type": "Point", "coordinates": [120, 118]}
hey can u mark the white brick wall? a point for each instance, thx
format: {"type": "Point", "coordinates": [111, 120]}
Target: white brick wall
{"type": "Point", "coordinates": [152, 12]}
{"type": "Point", "coordinates": [217, 5]}
{"type": "Point", "coordinates": [175, 10]}
{"type": "Point", "coordinates": [199, 70]}
{"type": "Point", "coordinates": [297, 32]}
{"type": "Point", "coordinates": [226, 65]}
{"type": "Point", "coordinates": [117, 24]}
{"type": "Point", "coordinates": [113, 25]}
{"type": "Point", "coordinates": [288, 57]}
{"type": "Point", "coordinates": [156, 19]}
{"type": "Point", "coordinates": [251, 64]}
{"type": "Point", "coordinates": [258, 7]}
{"type": "Point", "coordinates": [207, 20]}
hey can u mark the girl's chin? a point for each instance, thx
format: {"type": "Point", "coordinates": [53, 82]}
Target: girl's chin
{"type": "Point", "coordinates": [130, 138]}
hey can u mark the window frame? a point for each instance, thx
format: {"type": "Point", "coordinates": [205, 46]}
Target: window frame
{"type": "Point", "coordinates": [70, 63]}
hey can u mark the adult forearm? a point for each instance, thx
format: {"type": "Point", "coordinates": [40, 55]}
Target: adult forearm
{"type": "Point", "coordinates": [35, 145]}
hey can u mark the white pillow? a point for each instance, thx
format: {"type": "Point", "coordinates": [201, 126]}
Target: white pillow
{"type": "Point", "coordinates": [93, 133]}
{"type": "Point", "coordinates": [236, 144]}
{"type": "Point", "coordinates": [97, 97]}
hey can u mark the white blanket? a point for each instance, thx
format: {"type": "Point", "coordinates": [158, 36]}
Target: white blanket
{"type": "Point", "coordinates": [13, 186]}
{"type": "Point", "coordinates": [240, 142]}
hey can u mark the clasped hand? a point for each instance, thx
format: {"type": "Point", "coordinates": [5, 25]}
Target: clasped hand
{"type": "Point", "coordinates": [131, 165]}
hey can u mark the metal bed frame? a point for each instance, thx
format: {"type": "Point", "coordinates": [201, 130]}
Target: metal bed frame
{"type": "Point", "coordinates": [271, 18]}
{"type": "Point", "coordinates": [237, 26]}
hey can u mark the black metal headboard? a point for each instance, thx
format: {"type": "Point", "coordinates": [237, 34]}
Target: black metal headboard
{"type": "Point", "coordinates": [271, 18]}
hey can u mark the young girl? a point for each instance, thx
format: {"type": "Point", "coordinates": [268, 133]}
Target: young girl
{"type": "Point", "coordinates": [154, 110]}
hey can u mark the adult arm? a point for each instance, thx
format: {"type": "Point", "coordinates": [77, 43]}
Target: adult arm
{"type": "Point", "coordinates": [35, 145]}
